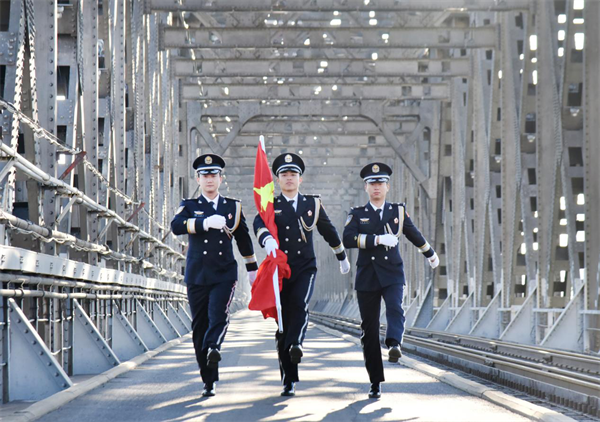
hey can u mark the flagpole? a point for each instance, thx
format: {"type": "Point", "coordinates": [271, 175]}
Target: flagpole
{"type": "Point", "coordinates": [276, 272]}
{"type": "Point", "coordinates": [277, 298]}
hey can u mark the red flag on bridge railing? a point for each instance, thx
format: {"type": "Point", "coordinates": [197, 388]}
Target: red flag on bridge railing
{"type": "Point", "coordinates": [266, 288]}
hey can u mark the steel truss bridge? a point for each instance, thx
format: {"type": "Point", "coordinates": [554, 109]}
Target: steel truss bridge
{"type": "Point", "coordinates": [487, 111]}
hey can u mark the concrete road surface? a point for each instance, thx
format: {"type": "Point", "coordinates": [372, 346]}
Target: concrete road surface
{"type": "Point", "coordinates": [333, 387]}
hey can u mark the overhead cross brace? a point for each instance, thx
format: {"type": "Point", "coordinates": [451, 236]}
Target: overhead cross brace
{"type": "Point", "coordinates": [314, 107]}
{"type": "Point", "coordinates": [476, 37]}
{"type": "Point", "coordinates": [331, 6]}
{"type": "Point", "coordinates": [316, 92]}
{"type": "Point", "coordinates": [310, 68]}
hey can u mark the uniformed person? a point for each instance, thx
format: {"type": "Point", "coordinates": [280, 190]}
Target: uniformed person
{"type": "Point", "coordinates": [211, 221]}
{"type": "Point", "coordinates": [375, 228]}
{"type": "Point", "coordinates": [296, 216]}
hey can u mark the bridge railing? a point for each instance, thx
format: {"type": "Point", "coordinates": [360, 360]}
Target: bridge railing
{"type": "Point", "coordinates": [60, 319]}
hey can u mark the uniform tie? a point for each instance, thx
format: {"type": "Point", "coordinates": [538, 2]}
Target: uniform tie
{"type": "Point", "coordinates": [292, 204]}
{"type": "Point", "coordinates": [379, 212]}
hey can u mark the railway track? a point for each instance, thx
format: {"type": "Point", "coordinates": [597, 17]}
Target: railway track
{"type": "Point", "coordinates": [564, 378]}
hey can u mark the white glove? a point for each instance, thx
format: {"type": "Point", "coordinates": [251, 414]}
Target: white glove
{"type": "Point", "coordinates": [214, 222]}
{"type": "Point", "coordinates": [388, 240]}
{"type": "Point", "coordinates": [434, 261]}
{"type": "Point", "coordinates": [252, 277]}
{"type": "Point", "coordinates": [345, 266]}
{"type": "Point", "coordinates": [271, 246]}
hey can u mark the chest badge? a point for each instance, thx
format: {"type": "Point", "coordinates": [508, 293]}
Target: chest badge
{"type": "Point", "coordinates": [309, 213]}
{"type": "Point", "coordinates": [198, 212]}
{"type": "Point", "coordinates": [230, 216]}
{"type": "Point", "coordinates": [278, 212]}
{"type": "Point", "coordinates": [364, 221]}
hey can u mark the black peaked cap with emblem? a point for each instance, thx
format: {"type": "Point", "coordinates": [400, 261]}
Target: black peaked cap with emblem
{"type": "Point", "coordinates": [376, 172]}
{"type": "Point", "coordinates": [288, 162]}
{"type": "Point", "coordinates": [208, 164]}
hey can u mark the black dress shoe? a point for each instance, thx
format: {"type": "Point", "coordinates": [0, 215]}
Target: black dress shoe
{"type": "Point", "coordinates": [213, 358]}
{"type": "Point", "coordinates": [289, 390]}
{"type": "Point", "coordinates": [209, 390]}
{"type": "Point", "coordinates": [375, 391]}
{"type": "Point", "coordinates": [296, 353]}
{"type": "Point", "coordinates": [394, 353]}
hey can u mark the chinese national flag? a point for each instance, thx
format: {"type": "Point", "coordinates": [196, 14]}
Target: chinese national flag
{"type": "Point", "coordinates": [273, 269]}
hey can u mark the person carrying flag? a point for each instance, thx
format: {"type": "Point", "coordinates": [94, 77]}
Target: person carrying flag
{"type": "Point", "coordinates": [375, 228]}
{"type": "Point", "coordinates": [211, 221]}
{"type": "Point", "coordinates": [296, 216]}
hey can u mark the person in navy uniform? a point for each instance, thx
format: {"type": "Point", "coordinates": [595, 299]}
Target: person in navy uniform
{"type": "Point", "coordinates": [375, 228]}
{"type": "Point", "coordinates": [211, 221]}
{"type": "Point", "coordinates": [296, 216]}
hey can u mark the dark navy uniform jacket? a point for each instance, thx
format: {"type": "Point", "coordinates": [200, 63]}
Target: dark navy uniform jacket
{"type": "Point", "coordinates": [380, 266]}
{"type": "Point", "coordinates": [295, 231]}
{"type": "Point", "coordinates": [210, 257]}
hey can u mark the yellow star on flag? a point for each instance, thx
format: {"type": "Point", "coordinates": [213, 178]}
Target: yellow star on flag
{"type": "Point", "coordinates": [266, 195]}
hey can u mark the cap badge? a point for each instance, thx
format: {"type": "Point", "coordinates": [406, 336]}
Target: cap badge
{"type": "Point", "coordinates": [288, 158]}
{"type": "Point", "coordinates": [208, 160]}
{"type": "Point", "coordinates": [375, 168]}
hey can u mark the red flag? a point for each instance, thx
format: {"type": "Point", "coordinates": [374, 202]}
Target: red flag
{"type": "Point", "coordinates": [263, 298]}
{"type": "Point", "coordinates": [264, 190]}
{"type": "Point", "coordinates": [263, 289]}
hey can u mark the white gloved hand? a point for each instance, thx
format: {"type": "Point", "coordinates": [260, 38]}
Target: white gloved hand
{"type": "Point", "coordinates": [388, 240]}
{"type": "Point", "coordinates": [345, 266]}
{"type": "Point", "coordinates": [271, 246]}
{"type": "Point", "coordinates": [252, 277]}
{"type": "Point", "coordinates": [214, 222]}
{"type": "Point", "coordinates": [434, 261]}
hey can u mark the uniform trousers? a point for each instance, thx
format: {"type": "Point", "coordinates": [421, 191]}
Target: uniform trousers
{"type": "Point", "coordinates": [210, 318]}
{"type": "Point", "coordinates": [369, 303]}
{"type": "Point", "coordinates": [295, 296]}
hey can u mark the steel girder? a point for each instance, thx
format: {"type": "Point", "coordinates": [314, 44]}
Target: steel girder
{"type": "Point", "coordinates": [350, 109]}
{"type": "Point", "coordinates": [221, 38]}
{"type": "Point", "coordinates": [331, 6]}
{"type": "Point", "coordinates": [291, 92]}
{"type": "Point", "coordinates": [300, 127]}
{"type": "Point", "coordinates": [309, 68]}
{"type": "Point", "coordinates": [285, 53]}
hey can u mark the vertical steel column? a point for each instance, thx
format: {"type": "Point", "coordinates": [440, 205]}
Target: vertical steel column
{"type": "Point", "coordinates": [46, 63]}
{"type": "Point", "coordinates": [511, 158]}
{"type": "Point", "coordinates": [483, 76]}
{"type": "Point", "coordinates": [591, 94]}
{"type": "Point", "coordinates": [549, 125]}
{"type": "Point", "coordinates": [12, 91]}
{"type": "Point", "coordinates": [88, 56]}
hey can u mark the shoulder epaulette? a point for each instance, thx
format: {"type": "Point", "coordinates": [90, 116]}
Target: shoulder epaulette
{"type": "Point", "coordinates": [316, 195]}
{"type": "Point", "coordinates": [232, 199]}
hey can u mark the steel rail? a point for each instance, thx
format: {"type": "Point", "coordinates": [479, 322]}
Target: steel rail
{"type": "Point", "coordinates": [573, 379]}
